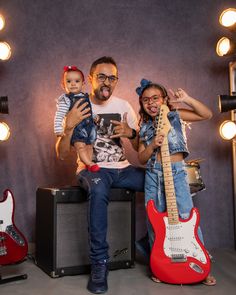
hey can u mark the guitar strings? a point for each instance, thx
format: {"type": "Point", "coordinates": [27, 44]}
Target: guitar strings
{"type": "Point", "coordinates": [169, 234]}
{"type": "Point", "coordinates": [174, 241]}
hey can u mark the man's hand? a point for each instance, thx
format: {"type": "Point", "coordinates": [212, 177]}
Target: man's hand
{"type": "Point", "coordinates": [76, 115]}
{"type": "Point", "coordinates": [122, 128]}
{"type": "Point", "coordinates": [73, 118]}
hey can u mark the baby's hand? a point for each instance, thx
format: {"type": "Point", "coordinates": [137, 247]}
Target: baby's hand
{"type": "Point", "coordinates": [59, 133]}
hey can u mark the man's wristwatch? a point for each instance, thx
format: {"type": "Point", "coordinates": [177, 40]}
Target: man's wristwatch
{"type": "Point", "coordinates": [134, 134]}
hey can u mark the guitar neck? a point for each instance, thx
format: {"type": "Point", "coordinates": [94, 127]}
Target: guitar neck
{"type": "Point", "coordinates": [171, 204]}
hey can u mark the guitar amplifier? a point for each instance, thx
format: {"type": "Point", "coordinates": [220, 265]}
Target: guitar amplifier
{"type": "Point", "coordinates": [62, 230]}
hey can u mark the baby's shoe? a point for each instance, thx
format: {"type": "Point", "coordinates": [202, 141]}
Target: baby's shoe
{"type": "Point", "coordinates": [93, 168]}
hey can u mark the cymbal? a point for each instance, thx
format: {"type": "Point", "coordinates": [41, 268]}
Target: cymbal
{"type": "Point", "coordinates": [198, 160]}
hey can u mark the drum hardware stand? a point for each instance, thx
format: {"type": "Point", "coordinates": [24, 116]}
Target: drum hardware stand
{"type": "Point", "coordinates": [12, 278]}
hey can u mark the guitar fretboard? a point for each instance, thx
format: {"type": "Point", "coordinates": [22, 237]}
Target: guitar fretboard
{"type": "Point", "coordinates": [163, 126]}
{"type": "Point", "coordinates": [173, 215]}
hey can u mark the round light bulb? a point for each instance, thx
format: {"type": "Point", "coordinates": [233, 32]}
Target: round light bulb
{"type": "Point", "coordinates": [228, 130]}
{"type": "Point", "coordinates": [4, 131]}
{"type": "Point", "coordinates": [223, 46]}
{"type": "Point", "coordinates": [5, 51]}
{"type": "Point", "coordinates": [2, 22]}
{"type": "Point", "coordinates": [228, 17]}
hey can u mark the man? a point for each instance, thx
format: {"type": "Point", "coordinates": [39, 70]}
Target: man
{"type": "Point", "coordinates": [116, 120]}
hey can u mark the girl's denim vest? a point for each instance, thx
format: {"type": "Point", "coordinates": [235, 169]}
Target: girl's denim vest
{"type": "Point", "coordinates": [176, 137]}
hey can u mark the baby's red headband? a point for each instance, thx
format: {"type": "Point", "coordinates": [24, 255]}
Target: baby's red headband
{"type": "Point", "coordinates": [73, 68]}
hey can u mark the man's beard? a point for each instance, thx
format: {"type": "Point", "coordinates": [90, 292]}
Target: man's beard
{"type": "Point", "coordinates": [103, 93]}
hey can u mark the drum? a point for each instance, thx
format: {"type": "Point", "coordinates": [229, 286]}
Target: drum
{"type": "Point", "coordinates": [194, 177]}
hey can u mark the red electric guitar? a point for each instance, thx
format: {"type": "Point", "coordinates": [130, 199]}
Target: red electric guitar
{"type": "Point", "coordinates": [178, 256]}
{"type": "Point", "coordinates": [13, 245]}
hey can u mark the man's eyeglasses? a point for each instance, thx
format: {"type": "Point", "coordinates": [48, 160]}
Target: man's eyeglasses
{"type": "Point", "coordinates": [154, 98]}
{"type": "Point", "coordinates": [103, 77]}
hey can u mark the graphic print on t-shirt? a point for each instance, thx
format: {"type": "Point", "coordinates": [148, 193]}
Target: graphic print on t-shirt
{"type": "Point", "coordinates": [105, 148]}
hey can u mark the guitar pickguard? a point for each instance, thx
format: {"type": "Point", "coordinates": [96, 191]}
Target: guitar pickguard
{"type": "Point", "coordinates": [180, 241]}
{"type": "Point", "coordinates": [6, 212]}
{"type": "Point", "coordinates": [178, 256]}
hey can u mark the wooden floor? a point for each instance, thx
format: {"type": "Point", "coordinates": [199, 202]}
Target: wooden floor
{"type": "Point", "coordinates": [129, 281]}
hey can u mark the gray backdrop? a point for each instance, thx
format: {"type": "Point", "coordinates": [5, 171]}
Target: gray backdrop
{"type": "Point", "coordinates": [170, 42]}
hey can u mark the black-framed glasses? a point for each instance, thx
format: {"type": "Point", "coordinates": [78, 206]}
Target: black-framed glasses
{"type": "Point", "coordinates": [103, 77]}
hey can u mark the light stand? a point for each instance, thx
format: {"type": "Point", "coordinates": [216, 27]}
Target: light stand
{"type": "Point", "coordinates": [227, 46]}
{"type": "Point", "coordinates": [232, 81]}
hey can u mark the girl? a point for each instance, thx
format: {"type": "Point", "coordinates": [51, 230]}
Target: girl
{"type": "Point", "coordinates": [151, 97]}
{"type": "Point", "coordinates": [84, 134]}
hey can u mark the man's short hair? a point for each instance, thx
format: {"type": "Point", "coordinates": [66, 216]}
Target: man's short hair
{"type": "Point", "coordinates": [102, 60]}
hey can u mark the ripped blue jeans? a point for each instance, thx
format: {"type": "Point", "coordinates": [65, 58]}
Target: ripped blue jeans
{"type": "Point", "coordinates": [154, 190]}
{"type": "Point", "coordinates": [98, 187]}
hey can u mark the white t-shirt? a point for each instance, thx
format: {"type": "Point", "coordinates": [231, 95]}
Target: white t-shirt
{"type": "Point", "coordinates": [107, 152]}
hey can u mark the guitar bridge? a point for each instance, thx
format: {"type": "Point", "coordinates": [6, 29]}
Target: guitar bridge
{"type": "Point", "coordinates": [2, 239]}
{"type": "Point", "coordinates": [3, 251]}
{"type": "Point", "coordinates": [176, 258]}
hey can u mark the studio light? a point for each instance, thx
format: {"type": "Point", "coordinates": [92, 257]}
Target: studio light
{"type": "Point", "coordinates": [227, 103]}
{"type": "Point", "coordinates": [4, 131]}
{"type": "Point", "coordinates": [4, 128]}
{"type": "Point", "coordinates": [228, 130]}
{"type": "Point", "coordinates": [228, 17]}
{"type": "Point", "coordinates": [225, 46]}
{"type": "Point", "coordinates": [5, 51]}
{"type": "Point", "coordinates": [4, 105]}
{"type": "Point", "coordinates": [2, 22]}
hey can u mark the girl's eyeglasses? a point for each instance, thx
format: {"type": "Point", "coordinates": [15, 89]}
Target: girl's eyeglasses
{"type": "Point", "coordinates": [154, 98]}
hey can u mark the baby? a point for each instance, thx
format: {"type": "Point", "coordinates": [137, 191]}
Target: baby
{"type": "Point", "coordinates": [84, 134]}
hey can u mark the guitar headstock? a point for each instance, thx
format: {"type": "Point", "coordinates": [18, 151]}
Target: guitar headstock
{"type": "Point", "coordinates": [163, 124]}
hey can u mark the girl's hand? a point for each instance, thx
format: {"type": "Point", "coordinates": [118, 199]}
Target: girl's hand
{"type": "Point", "coordinates": [157, 140]}
{"type": "Point", "coordinates": [178, 96]}
{"type": "Point", "coordinates": [195, 111]}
